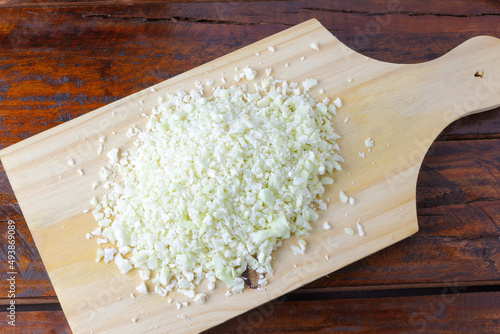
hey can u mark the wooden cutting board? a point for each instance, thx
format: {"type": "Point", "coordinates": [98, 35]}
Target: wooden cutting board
{"type": "Point", "coordinates": [401, 107]}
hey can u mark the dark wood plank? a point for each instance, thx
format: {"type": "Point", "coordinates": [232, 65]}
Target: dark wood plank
{"type": "Point", "coordinates": [368, 7]}
{"type": "Point", "coordinates": [96, 59]}
{"type": "Point", "coordinates": [36, 322]}
{"type": "Point", "coordinates": [385, 30]}
{"type": "Point", "coordinates": [89, 56]}
{"type": "Point", "coordinates": [32, 279]}
{"type": "Point", "coordinates": [9, 207]}
{"type": "Point", "coordinates": [451, 312]}
{"type": "Point", "coordinates": [485, 125]}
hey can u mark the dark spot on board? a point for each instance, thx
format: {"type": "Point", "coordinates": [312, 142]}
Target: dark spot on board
{"type": "Point", "coordinates": [251, 278]}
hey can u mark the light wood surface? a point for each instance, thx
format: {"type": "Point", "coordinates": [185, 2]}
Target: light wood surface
{"type": "Point", "coordinates": [405, 106]}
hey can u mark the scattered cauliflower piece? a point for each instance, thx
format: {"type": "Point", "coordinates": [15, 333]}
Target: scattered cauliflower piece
{"type": "Point", "coordinates": [343, 197]}
{"type": "Point", "coordinates": [349, 231]}
{"type": "Point", "coordinates": [142, 288]}
{"type": "Point", "coordinates": [368, 142]}
{"type": "Point", "coordinates": [360, 229]}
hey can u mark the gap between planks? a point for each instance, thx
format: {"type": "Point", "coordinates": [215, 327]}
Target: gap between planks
{"type": "Point", "coordinates": [369, 291]}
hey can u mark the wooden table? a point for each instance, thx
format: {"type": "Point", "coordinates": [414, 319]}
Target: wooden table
{"type": "Point", "coordinates": [59, 60]}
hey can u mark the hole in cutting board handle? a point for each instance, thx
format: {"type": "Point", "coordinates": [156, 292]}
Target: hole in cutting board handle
{"type": "Point", "coordinates": [479, 74]}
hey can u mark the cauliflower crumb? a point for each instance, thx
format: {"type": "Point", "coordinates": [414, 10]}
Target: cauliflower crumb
{"type": "Point", "coordinates": [142, 288]}
{"type": "Point", "coordinates": [337, 102]}
{"type": "Point", "coordinates": [250, 74]}
{"type": "Point", "coordinates": [200, 298]}
{"type": "Point", "coordinates": [309, 83]}
{"type": "Point", "coordinates": [343, 197]}
{"type": "Point", "coordinates": [368, 142]}
{"type": "Point", "coordinates": [100, 149]}
{"type": "Point", "coordinates": [360, 229]}
{"type": "Point", "coordinates": [349, 231]}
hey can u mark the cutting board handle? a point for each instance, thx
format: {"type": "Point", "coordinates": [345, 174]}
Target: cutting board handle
{"type": "Point", "coordinates": [470, 75]}
{"type": "Point", "coordinates": [417, 102]}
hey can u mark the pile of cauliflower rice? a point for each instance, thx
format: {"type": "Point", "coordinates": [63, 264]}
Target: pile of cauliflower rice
{"type": "Point", "coordinates": [215, 183]}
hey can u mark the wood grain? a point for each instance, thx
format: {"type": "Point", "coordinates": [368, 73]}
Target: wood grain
{"type": "Point", "coordinates": [69, 63]}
